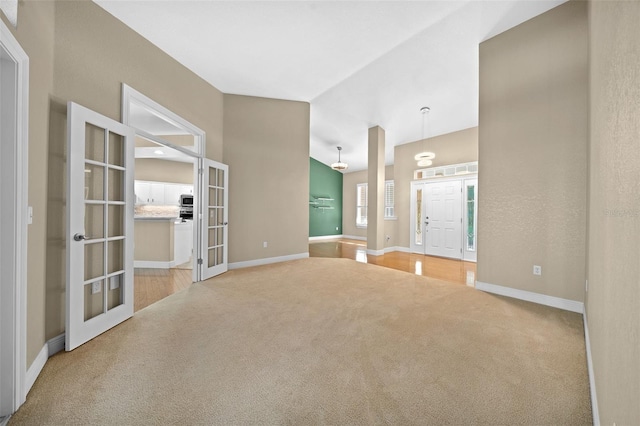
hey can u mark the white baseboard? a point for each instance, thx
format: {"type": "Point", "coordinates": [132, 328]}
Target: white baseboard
{"type": "Point", "coordinates": [397, 248]}
{"type": "Point", "coordinates": [592, 378]}
{"type": "Point", "coordinates": [56, 345]}
{"type": "Point", "coordinates": [152, 264]}
{"type": "Point", "coordinates": [542, 299]}
{"type": "Point", "coordinates": [50, 348]}
{"type": "Point", "coordinates": [268, 260]}
{"type": "Point", "coordinates": [355, 237]}
{"type": "Point", "coordinates": [325, 237]}
{"type": "Point", "coordinates": [36, 367]}
{"type": "Point", "coordinates": [375, 252]}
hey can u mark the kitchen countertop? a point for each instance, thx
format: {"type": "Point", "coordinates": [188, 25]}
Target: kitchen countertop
{"type": "Point", "coordinates": [155, 217]}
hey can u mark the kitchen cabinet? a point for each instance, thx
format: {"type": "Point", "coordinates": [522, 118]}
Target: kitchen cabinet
{"type": "Point", "coordinates": [149, 193]}
{"type": "Point", "coordinates": [160, 193]}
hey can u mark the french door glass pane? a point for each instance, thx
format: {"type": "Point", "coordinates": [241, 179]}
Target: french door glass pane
{"type": "Point", "coordinates": [116, 149]}
{"type": "Point", "coordinates": [114, 291]}
{"type": "Point", "coordinates": [93, 302]}
{"type": "Point", "coordinates": [93, 260]}
{"type": "Point", "coordinates": [116, 185]}
{"type": "Point", "coordinates": [94, 143]}
{"type": "Point", "coordinates": [116, 220]}
{"type": "Point", "coordinates": [93, 182]}
{"type": "Point", "coordinates": [94, 220]}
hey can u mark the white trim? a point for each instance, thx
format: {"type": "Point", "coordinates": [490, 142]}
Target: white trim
{"type": "Point", "coordinates": [55, 345]}
{"type": "Point", "coordinates": [153, 264]}
{"type": "Point", "coordinates": [38, 364]}
{"type": "Point", "coordinates": [267, 260]}
{"type": "Point", "coordinates": [541, 299]}
{"type": "Point", "coordinates": [130, 94]}
{"type": "Point", "coordinates": [17, 328]}
{"type": "Point", "coordinates": [592, 379]}
{"type": "Point", "coordinates": [375, 252]}
{"type": "Point", "coordinates": [354, 237]}
{"type": "Point", "coordinates": [397, 248]}
{"type": "Point", "coordinates": [50, 348]}
{"type": "Point", "coordinates": [325, 237]}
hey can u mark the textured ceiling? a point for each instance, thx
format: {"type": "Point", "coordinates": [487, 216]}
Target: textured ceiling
{"type": "Point", "coordinates": [358, 63]}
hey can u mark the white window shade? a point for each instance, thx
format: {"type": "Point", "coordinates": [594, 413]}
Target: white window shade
{"type": "Point", "coordinates": [389, 200]}
{"type": "Point", "coordinates": [362, 195]}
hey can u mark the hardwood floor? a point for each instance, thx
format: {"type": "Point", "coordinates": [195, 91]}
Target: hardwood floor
{"type": "Point", "coordinates": [151, 285]}
{"type": "Point", "coordinates": [455, 271]}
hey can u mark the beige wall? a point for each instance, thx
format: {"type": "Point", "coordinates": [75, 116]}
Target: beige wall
{"type": "Point", "coordinates": [267, 150]}
{"type": "Point", "coordinates": [613, 299]}
{"type": "Point", "coordinates": [35, 33]}
{"type": "Point", "coordinates": [164, 171]}
{"type": "Point", "coordinates": [79, 52]}
{"type": "Point", "coordinates": [453, 148]}
{"type": "Point", "coordinates": [532, 154]}
{"type": "Point", "coordinates": [94, 55]}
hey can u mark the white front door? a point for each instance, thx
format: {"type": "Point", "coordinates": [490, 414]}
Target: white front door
{"type": "Point", "coordinates": [436, 218]}
{"type": "Point", "coordinates": [213, 211]}
{"type": "Point", "coordinates": [100, 199]}
{"type": "Point", "coordinates": [443, 219]}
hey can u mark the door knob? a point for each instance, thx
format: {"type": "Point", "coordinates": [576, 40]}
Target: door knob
{"type": "Point", "coordinates": [80, 237]}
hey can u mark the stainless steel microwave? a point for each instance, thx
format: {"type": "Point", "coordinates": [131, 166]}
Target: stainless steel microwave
{"type": "Point", "coordinates": [186, 200]}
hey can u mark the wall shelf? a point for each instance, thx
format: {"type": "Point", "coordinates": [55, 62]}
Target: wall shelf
{"type": "Point", "coordinates": [320, 202]}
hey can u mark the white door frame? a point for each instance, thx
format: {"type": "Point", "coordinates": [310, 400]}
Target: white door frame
{"type": "Point", "coordinates": [129, 96]}
{"type": "Point", "coordinates": [463, 179]}
{"type": "Point", "coordinates": [14, 211]}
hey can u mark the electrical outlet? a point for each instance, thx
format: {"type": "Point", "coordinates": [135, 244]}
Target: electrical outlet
{"type": "Point", "coordinates": [96, 287]}
{"type": "Point", "coordinates": [537, 270]}
{"type": "Point", "coordinates": [388, 237]}
{"type": "Point", "coordinates": [264, 244]}
{"type": "Point", "coordinates": [114, 283]}
{"type": "Point", "coordinates": [336, 228]}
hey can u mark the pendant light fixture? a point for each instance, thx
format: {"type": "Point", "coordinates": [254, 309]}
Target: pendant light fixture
{"type": "Point", "coordinates": [424, 158]}
{"type": "Point", "coordinates": [339, 165]}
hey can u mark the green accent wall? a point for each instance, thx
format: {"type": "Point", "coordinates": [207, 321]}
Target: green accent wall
{"type": "Point", "coordinates": [325, 216]}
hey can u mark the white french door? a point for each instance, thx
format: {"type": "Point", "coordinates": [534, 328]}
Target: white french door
{"type": "Point", "coordinates": [436, 218]}
{"type": "Point", "coordinates": [100, 199]}
{"type": "Point", "coordinates": [214, 218]}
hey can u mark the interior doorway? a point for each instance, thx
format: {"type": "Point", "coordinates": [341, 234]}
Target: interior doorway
{"type": "Point", "coordinates": [186, 187]}
{"type": "Point", "coordinates": [14, 80]}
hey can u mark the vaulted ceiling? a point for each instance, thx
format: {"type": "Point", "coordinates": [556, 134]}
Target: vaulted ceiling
{"type": "Point", "coordinates": [358, 63]}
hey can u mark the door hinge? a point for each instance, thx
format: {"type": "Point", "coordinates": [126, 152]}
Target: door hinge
{"type": "Point", "coordinates": [200, 171]}
{"type": "Point", "coordinates": [200, 262]}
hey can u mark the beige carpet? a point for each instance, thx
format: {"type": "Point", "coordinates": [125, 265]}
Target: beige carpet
{"type": "Point", "coordinates": [323, 341]}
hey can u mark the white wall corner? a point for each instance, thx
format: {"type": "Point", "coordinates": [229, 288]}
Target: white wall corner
{"type": "Point", "coordinates": [36, 367]}
{"type": "Point", "coordinates": [268, 260]}
{"type": "Point", "coordinates": [592, 378]}
{"type": "Point", "coordinates": [541, 299]}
